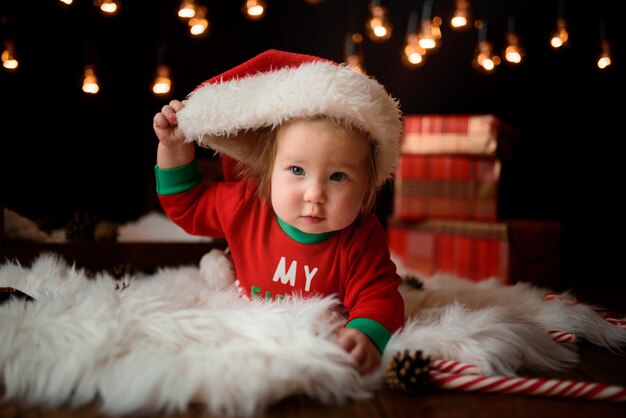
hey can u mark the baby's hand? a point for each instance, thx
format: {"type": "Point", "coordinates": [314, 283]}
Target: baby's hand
{"type": "Point", "coordinates": [361, 348]}
{"type": "Point", "coordinates": [165, 124]}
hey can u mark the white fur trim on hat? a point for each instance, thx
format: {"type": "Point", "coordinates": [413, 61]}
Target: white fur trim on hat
{"type": "Point", "coordinates": [221, 111]}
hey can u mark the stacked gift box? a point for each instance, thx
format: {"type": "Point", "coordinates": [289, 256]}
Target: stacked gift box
{"type": "Point", "coordinates": [447, 212]}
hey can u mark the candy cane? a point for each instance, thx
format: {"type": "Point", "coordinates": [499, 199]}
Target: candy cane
{"type": "Point", "coordinates": [528, 386]}
{"type": "Point", "coordinates": [562, 336]}
{"type": "Point", "coordinates": [607, 316]}
{"type": "Point", "coordinates": [620, 323]}
{"type": "Point", "coordinates": [449, 366]}
{"type": "Point", "coordinates": [410, 371]}
{"type": "Point", "coordinates": [554, 296]}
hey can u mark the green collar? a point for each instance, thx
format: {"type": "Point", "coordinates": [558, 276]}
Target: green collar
{"type": "Point", "coordinates": [303, 237]}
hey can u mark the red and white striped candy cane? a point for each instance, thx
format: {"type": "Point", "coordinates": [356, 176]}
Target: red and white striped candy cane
{"type": "Point", "coordinates": [449, 366]}
{"type": "Point", "coordinates": [562, 336]}
{"type": "Point", "coordinates": [621, 323]}
{"type": "Point", "coordinates": [528, 386]}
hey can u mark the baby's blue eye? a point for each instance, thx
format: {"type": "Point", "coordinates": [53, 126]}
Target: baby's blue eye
{"type": "Point", "coordinates": [298, 171]}
{"type": "Point", "coordinates": [337, 176]}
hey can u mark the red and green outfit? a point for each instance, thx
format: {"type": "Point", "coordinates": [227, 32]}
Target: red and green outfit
{"type": "Point", "coordinates": [273, 260]}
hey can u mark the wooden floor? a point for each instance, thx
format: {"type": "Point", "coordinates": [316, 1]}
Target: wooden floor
{"type": "Point", "coordinates": [596, 365]}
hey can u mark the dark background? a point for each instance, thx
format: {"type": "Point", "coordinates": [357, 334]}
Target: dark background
{"type": "Point", "coordinates": [62, 150]}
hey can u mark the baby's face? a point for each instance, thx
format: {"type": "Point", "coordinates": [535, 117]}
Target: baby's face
{"type": "Point", "coordinates": [319, 177]}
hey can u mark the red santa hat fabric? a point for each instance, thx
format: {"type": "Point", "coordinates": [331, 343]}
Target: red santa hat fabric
{"type": "Point", "coordinates": [275, 86]}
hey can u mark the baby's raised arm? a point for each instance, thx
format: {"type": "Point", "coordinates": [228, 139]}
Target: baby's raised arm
{"type": "Point", "coordinates": [173, 151]}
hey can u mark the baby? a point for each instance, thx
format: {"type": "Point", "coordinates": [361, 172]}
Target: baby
{"type": "Point", "coordinates": [313, 142]}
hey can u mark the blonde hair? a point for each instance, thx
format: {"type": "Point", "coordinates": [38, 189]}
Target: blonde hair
{"type": "Point", "coordinates": [262, 153]}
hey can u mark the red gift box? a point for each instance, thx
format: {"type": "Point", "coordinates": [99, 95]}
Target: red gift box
{"type": "Point", "coordinates": [446, 187]}
{"type": "Point", "coordinates": [457, 134]}
{"type": "Point", "coordinates": [510, 251]}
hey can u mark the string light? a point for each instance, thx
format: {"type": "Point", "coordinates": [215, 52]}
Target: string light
{"type": "Point", "coordinates": [199, 24]}
{"type": "Point", "coordinates": [108, 7]}
{"type": "Point", "coordinates": [484, 58]}
{"type": "Point", "coordinates": [412, 54]}
{"type": "Point", "coordinates": [162, 83]}
{"type": "Point", "coordinates": [427, 37]}
{"type": "Point", "coordinates": [513, 53]}
{"type": "Point", "coordinates": [9, 60]}
{"type": "Point", "coordinates": [560, 36]}
{"type": "Point", "coordinates": [604, 60]}
{"type": "Point", "coordinates": [418, 41]}
{"type": "Point", "coordinates": [378, 27]}
{"type": "Point", "coordinates": [90, 81]}
{"type": "Point", "coordinates": [352, 52]}
{"type": "Point", "coordinates": [254, 9]}
{"type": "Point", "coordinates": [187, 9]}
{"type": "Point", "coordinates": [461, 15]}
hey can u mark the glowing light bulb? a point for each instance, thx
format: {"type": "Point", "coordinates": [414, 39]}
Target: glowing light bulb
{"type": "Point", "coordinates": [108, 7]}
{"type": "Point", "coordinates": [560, 35]}
{"type": "Point", "coordinates": [199, 24]}
{"type": "Point", "coordinates": [162, 83]}
{"type": "Point", "coordinates": [378, 27]}
{"type": "Point", "coordinates": [9, 61]}
{"type": "Point", "coordinates": [413, 54]}
{"type": "Point", "coordinates": [254, 9]}
{"type": "Point", "coordinates": [513, 52]}
{"type": "Point", "coordinates": [461, 16]}
{"type": "Point", "coordinates": [605, 56]}
{"type": "Point", "coordinates": [90, 81]}
{"type": "Point", "coordinates": [187, 9]}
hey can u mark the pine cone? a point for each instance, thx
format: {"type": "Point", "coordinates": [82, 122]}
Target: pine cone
{"type": "Point", "coordinates": [414, 282]}
{"type": "Point", "coordinates": [80, 227]}
{"type": "Point", "coordinates": [106, 231]}
{"type": "Point", "coordinates": [408, 372]}
{"type": "Point", "coordinates": [123, 269]}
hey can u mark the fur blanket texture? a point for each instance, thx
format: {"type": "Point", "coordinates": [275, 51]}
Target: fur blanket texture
{"type": "Point", "coordinates": [160, 342]}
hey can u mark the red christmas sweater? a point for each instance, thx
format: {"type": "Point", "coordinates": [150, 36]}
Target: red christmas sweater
{"type": "Point", "coordinates": [273, 260]}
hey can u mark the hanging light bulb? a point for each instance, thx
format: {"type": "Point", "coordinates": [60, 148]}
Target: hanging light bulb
{"type": "Point", "coordinates": [412, 54]}
{"type": "Point", "coordinates": [605, 56]}
{"type": "Point", "coordinates": [484, 58]}
{"type": "Point", "coordinates": [187, 9]}
{"type": "Point", "coordinates": [513, 53]}
{"type": "Point", "coordinates": [162, 83]}
{"type": "Point", "coordinates": [436, 29]}
{"type": "Point", "coordinates": [67, 2]}
{"type": "Point", "coordinates": [352, 52]}
{"type": "Point", "coordinates": [199, 24]}
{"type": "Point", "coordinates": [254, 9]}
{"type": "Point", "coordinates": [604, 60]}
{"type": "Point", "coordinates": [427, 33]}
{"type": "Point", "coordinates": [378, 26]}
{"type": "Point", "coordinates": [90, 81]}
{"type": "Point", "coordinates": [108, 7]}
{"type": "Point", "coordinates": [560, 36]}
{"type": "Point", "coordinates": [461, 16]}
{"type": "Point", "coordinates": [9, 61]}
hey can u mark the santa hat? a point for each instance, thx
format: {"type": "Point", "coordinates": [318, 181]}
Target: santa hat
{"type": "Point", "coordinates": [224, 112]}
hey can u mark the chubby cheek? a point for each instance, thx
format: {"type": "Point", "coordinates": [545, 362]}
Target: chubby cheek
{"type": "Point", "coordinates": [284, 199]}
{"type": "Point", "coordinates": [345, 211]}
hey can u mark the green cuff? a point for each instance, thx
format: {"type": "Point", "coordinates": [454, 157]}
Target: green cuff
{"type": "Point", "coordinates": [374, 330]}
{"type": "Point", "coordinates": [177, 179]}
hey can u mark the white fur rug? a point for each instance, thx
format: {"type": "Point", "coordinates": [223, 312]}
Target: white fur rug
{"type": "Point", "coordinates": [160, 342]}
